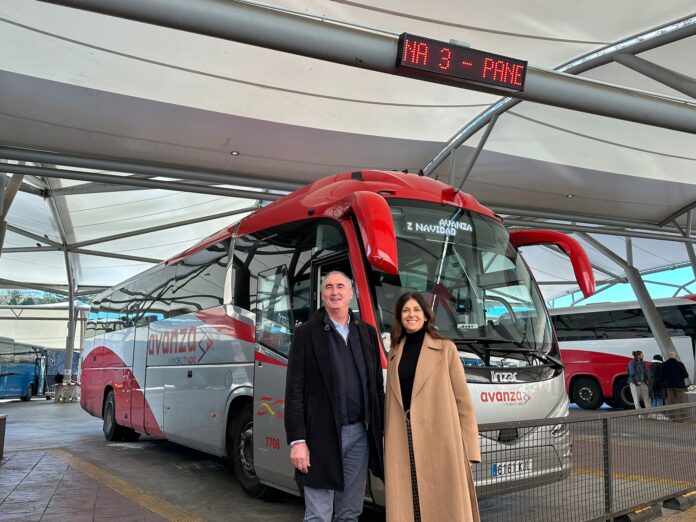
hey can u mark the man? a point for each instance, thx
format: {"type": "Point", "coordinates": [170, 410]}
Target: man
{"type": "Point", "coordinates": [673, 375]}
{"type": "Point", "coordinates": [334, 399]}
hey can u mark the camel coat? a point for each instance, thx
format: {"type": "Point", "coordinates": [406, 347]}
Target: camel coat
{"type": "Point", "coordinates": [445, 438]}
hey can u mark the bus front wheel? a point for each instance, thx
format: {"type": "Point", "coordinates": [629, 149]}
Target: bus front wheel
{"type": "Point", "coordinates": [240, 448]}
{"type": "Point", "coordinates": [587, 393]}
{"type": "Point", "coordinates": [30, 392]}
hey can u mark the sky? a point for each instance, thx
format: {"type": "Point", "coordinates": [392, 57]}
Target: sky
{"type": "Point", "coordinates": [655, 283]}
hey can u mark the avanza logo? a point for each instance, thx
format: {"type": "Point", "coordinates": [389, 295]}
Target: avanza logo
{"type": "Point", "coordinates": [506, 397]}
{"type": "Point", "coordinates": [172, 342]}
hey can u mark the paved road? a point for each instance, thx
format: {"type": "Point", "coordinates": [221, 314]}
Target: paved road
{"type": "Point", "coordinates": [650, 457]}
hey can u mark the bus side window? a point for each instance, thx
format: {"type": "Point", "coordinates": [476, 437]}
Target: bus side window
{"type": "Point", "coordinates": [274, 321]}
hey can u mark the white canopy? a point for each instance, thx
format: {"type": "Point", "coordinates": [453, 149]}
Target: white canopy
{"type": "Point", "coordinates": [80, 83]}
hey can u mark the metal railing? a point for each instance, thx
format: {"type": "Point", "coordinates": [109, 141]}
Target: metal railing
{"type": "Point", "coordinates": [591, 467]}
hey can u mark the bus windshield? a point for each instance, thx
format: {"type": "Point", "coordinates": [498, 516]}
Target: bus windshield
{"type": "Point", "coordinates": [480, 289]}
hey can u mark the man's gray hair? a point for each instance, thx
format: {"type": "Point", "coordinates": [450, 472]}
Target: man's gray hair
{"type": "Point", "coordinates": [338, 272]}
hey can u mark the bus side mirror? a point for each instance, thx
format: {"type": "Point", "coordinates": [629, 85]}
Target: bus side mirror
{"type": "Point", "coordinates": [376, 229]}
{"type": "Point", "coordinates": [578, 258]}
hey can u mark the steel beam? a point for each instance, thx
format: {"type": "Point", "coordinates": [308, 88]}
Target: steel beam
{"type": "Point", "coordinates": [651, 39]}
{"type": "Point", "coordinates": [35, 319]}
{"type": "Point", "coordinates": [674, 215]}
{"type": "Point", "coordinates": [21, 250]}
{"type": "Point", "coordinates": [7, 283]}
{"type": "Point", "coordinates": [672, 79]}
{"type": "Point", "coordinates": [35, 237]}
{"type": "Point", "coordinates": [10, 191]}
{"type": "Point", "coordinates": [313, 38]}
{"type": "Point", "coordinates": [147, 183]}
{"type": "Point", "coordinates": [595, 220]}
{"type": "Point", "coordinates": [92, 188]}
{"type": "Point", "coordinates": [113, 255]}
{"type": "Point", "coordinates": [604, 250]}
{"type": "Point", "coordinates": [608, 231]}
{"type": "Point", "coordinates": [162, 227]}
{"type": "Point", "coordinates": [167, 171]}
{"type": "Point", "coordinates": [477, 152]}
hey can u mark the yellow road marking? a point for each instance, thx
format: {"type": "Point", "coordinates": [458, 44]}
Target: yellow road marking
{"type": "Point", "coordinates": [137, 495]}
{"type": "Point", "coordinates": [637, 478]}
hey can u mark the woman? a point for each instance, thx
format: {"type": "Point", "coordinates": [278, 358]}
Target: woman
{"type": "Point", "coordinates": [639, 380]}
{"type": "Point", "coordinates": [431, 434]}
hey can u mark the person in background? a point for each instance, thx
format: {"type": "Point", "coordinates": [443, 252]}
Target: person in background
{"type": "Point", "coordinates": [334, 400]}
{"type": "Point", "coordinates": [657, 384]}
{"type": "Point", "coordinates": [674, 372]}
{"type": "Point", "coordinates": [638, 380]}
{"type": "Point", "coordinates": [431, 435]}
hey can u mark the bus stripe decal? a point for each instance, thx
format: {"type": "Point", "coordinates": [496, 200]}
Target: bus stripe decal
{"type": "Point", "coordinates": [223, 323]}
{"type": "Point", "coordinates": [260, 357]}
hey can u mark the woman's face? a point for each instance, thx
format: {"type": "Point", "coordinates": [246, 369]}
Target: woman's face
{"type": "Point", "coordinates": [412, 316]}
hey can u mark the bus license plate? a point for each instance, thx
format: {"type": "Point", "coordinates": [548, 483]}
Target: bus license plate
{"type": "Point", "coordinates": [513, 467]}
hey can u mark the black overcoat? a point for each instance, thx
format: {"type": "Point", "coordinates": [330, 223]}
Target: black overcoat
{"type": "Point", "coordinates": [311, 409]}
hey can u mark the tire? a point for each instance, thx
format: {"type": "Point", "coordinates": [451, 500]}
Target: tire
{"type": "Point", "coordinates": [622, 394]}
{"type": "Point", "coordinates": [587, 393]}
{"type": "Point", "coordinates": [30, 392]}
{"type": "Point", "coordinates": [112, 431]}
{"type": "Point", "coordinates": [240, 449]}
{"type": "Point", "coordinates": [129, 434]}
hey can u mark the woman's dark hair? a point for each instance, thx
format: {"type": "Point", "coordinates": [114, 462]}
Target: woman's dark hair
{"type": "Point", "coordinates": [658, 357]}
{"type": "Point", "coordinates": [398, 332]}
{"type": "Point", "coordinates": [637, 353]}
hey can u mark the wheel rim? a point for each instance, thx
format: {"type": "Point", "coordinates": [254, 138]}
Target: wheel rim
{"type": "Point", "coordinates": [246, 450]}
{"type": "Point", "coordinates": [626, 395]}
{"type": "Point", "coordinates": [586, 394]}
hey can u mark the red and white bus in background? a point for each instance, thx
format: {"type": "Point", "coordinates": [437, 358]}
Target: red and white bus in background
{"type": "Point", "coordinates": [195, 349]}
{"type": "Point", "coordinates": [597, 342]}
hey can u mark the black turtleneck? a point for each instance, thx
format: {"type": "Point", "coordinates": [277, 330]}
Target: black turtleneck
{"type": "Point", "coordinates": [407, 366]}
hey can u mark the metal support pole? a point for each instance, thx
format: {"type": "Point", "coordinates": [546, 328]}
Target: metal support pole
{"type": "Point", "coordinates": [453, 165]}
{"type": "Point", "coordinates": [690, 247]}
{"type": "Point", "coordinates": [665, 76]}
{"type": "Point", "coordinates": [652, 316]}
{"type": "Point", "coordinates": [3, 184]}
{"type": "Point", "coordinates": [70, 339]}
{"type": "Point", "coordinates": [629, 251]}
{"type": "Point", "coordinates": [607, 466]}
{"type": "Point", "coordinates": [478, 150]}
{"type": "Point", "coordinates": [314, 38]}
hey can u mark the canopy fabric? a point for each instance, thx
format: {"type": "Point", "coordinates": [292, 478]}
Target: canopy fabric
{"type": "Point", "coordinates": [85, 84]}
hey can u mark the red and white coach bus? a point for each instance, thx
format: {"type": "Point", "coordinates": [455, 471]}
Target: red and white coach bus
{"type": "Point", "coordinates": [195, 349]}
{"type": "Point", "coordinates": [597, 342]}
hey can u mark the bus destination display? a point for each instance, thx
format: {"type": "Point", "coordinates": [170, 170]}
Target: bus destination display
{"type": "Point", "coordinates": [446, 59]}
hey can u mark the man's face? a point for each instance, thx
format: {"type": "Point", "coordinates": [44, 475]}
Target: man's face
{"type": "Point", "coordinates": [336, 293]}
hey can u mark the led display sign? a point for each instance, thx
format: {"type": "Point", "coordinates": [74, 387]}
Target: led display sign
{"type": "Point", "coordinates": [445, 59]}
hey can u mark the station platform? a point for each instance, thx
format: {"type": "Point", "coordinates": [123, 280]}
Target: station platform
{"type": "Point", "coordinates": [57, 466]}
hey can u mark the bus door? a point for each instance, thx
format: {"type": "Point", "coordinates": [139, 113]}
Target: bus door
{"type": "Point", "coordinates": [274, 322]}
{"type": "Point", "coordinates": [40, 374]}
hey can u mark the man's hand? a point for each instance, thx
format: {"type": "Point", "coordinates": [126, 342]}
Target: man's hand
{"type": "Point", "coordinates": [299, 456]}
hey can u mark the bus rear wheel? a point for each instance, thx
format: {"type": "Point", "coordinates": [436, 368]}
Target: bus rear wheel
{"type": "Point", "coordinates": [622, 394]}
{"type": "Point", "coordinates": [240, 448]}
{"type": "Point", "coordinates": [587, 393]}
{"type": "Point", "coordinates": [30, 392]}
